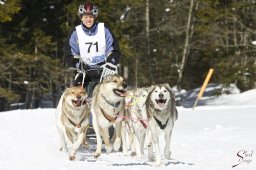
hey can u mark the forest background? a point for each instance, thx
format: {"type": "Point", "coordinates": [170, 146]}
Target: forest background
{"type": "Point", "coordinates": [165, 41]}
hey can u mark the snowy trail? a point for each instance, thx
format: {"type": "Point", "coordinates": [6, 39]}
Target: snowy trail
{"type": "Point", "coordinates": [206, 138]}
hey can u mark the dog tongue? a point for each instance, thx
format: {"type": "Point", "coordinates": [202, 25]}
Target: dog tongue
{"type": "Point", "coordinates": [161, 104]}
{"type": "Point", "coordinates": [78, 103]}
{"type": "Point", "coordinates": [124, 94]}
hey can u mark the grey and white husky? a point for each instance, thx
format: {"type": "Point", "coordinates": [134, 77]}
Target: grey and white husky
{"type": "Point", "coordinates": [160, 105]}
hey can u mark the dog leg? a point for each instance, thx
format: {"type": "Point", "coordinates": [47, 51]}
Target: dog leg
{"type": "Point", "coordinates": [84, 128]}
{"type": "Point", "coordinates": [105, 135]}
{"type": "Point", "coordinates": [133, 144]}
{"type": "Point", "coordinates": [75, 146]}
{"type": "Point", "coordinates": [63, 144]}
{"type": "Point", "coordinates": [157, 150]}
{"type": "Point", "coordinates": [150, 152]}
{"type": "Point", "coordinates": [85, 142]}
{"type": "Point", "coordinates": [130, 136]}
{"type": "Point", "coordinates": [97, 132]}
{"type": "Point", "coordinates": [117, 142]}
{"type": "Point", "coordinates": [124, 140]}
{"type": "Point", "coordinates": [67, 142]}
{"type": "Point", "coordinates": [142, 141]}
{"type": "Point", "coordinates": [137, 146]}
{"type": "Point", "coordinates": [167, 152]}
{"type": "Point", "coordinates": [68, 131]}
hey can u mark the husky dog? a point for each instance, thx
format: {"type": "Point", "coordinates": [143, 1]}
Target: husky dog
{"type": "Point", "coordinates": [139, 121]}
{"type": "Point", "coordinates": [107, 109]}
{"type": "Point", "coordinates": [72, 119]}
{"type": "Point", "coordinates": [126, 131]}
{"type": "Point", "coordinates": [160, 105]}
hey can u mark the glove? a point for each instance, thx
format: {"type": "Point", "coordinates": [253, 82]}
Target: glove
{"type": "Point", "coordinates": [112, 58]}
{"type": "Point", "coordinates": [77, 64]}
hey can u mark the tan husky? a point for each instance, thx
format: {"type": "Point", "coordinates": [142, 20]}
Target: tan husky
{"type": "Point", "coordinates": [107, 109]}
{"type": "Point", "coordinates": [72, 119]}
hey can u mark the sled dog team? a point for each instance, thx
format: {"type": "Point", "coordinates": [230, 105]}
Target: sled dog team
{"type": "Point", "coordinates": [137, 115]}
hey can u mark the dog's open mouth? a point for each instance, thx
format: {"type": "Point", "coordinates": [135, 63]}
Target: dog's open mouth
{"type": "Point", "coordinates": [121, 93]}
{"type": "Point", "coordinates": [78, 103]}
{"type": "Point", "coordinates": [161, 102]}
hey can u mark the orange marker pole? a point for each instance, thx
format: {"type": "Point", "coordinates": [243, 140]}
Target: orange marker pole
{"type": "Point", "coordinates": [200, 94]}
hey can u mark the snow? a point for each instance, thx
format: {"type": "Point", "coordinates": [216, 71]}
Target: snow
{"type": "Point", "coordinates": [206, 138]}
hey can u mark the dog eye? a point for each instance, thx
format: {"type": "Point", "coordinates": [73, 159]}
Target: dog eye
{"type": "Point", "coordinates": [165, 90]}
{"type": "Point", "coordinates": [115, 81]}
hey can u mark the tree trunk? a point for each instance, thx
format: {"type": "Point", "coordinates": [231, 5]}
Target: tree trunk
{"type": "Point", "coordinates": [186, 46]}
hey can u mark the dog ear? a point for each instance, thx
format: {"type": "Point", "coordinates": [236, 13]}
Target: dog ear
{"type": "Point", "coordinates": [67, 90]}
{"type": "Point", "coordinates": [167, 86]}
{"type": "Point", "coordinates": [151, 88]}
{"type": "Point", "coordinates": [174, 112]}
{"type": "Point", "coordinates": [148, 101]}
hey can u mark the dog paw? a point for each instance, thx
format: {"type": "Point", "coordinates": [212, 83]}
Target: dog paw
{"type": "Point", "coordinates": [97, 154]}
{"type": "Point", "coordinates": [133, 154]}
{"type": "Point", "coordinates": [72, 157]}
{"type": "Point", "coordinates": [167, 155]}
{"type": "Point", "coordinates": [150, 154]}
{"type": "Point", "coordinates": [125, 152]}
{"type": "Point", "coordinates": [117, 144]}
{"type": "Point", "coordinates": [108, 148]}
{"type": "Point", "coordinates": [158, 164]}
{"type": "Point", "coordinates": [63, 149]}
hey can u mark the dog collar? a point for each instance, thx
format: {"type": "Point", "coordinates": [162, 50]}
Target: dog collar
{"type": "Point", "coordinates": [108, 117]}
{"type": "Point", "coordinates": [115, 105]}
{"type": "Point", "coordinates": [160, 123]}
{"type": "Point", "coordinates": [76, 125]}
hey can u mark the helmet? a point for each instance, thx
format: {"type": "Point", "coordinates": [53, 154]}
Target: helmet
{"type": "Point", "coordinates": [89, 9]}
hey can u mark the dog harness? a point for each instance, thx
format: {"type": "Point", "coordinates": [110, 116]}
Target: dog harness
{"type": "Point", "coordinates": [115, 105]}
{"type": "Point", "coordinates": [109, 118]}
{"type": "Point", "coordinates": [160, 123]}
{"type": "Point", "coordinates": [76, 125]}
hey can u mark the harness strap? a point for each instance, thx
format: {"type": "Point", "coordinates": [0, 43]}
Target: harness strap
{"type": "Point", "coordinates": [143, 124]}
{"type": "Point", "coordinates": [115, 105]}
{"type": "Point", "coordinates": [76, 125]}
{"type": "Point", "coordinates": [109, 118]}
{"type": "Point", "coordinates": [160, 123]}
